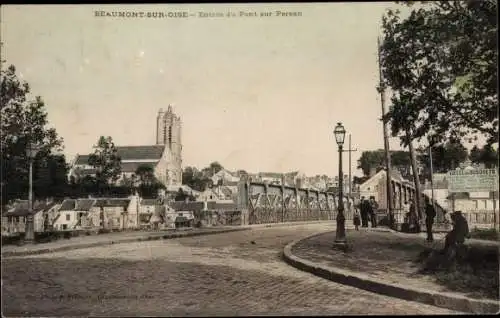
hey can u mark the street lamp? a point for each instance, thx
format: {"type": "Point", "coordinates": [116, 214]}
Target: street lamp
{"type": "Point", "coordinates": [29, 234]}
{"type": "Point", "coordinates": [431, 144]}
{"type": "Point", "coordinates": [340, 238]}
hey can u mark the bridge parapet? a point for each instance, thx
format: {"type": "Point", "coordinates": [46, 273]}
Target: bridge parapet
{"type": "Point", "coordinates": [272, 203]}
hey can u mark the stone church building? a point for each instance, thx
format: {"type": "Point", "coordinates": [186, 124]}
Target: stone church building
{"type": "Point", "coordinates": [165, 156]}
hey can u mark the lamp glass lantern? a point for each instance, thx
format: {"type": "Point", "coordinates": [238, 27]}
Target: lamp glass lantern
{"type": "Point", "coordinates": [32, 150]}
{"type": "Point", "coordinates": [339, 133]}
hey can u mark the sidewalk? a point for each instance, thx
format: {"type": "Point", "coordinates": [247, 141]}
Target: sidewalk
{"type": "Point", "coordinates": [110, 238]}
{"type": "Point", "coordinates": [387, 262]}
{"type": "Point", "coordinates": [438, 236]}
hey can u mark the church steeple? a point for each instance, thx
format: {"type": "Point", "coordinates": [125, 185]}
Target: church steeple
{"type": "Point", "coordinates": [168, 133]}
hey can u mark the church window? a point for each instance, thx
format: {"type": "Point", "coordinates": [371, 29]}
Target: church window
{"type": "Point", "coordinates": [170, 135]}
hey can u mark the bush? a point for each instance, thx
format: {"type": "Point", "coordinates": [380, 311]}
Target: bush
{"type": "Point", "coordinates": [486, 234]}
{"type": "Point", "coordinates": [45, 237]}
{"type": "Point", "coordinates": [473, 270]}
{"type": "Point", "coordinates": [11, 240]}
{"type": "Point", "coordinates": [104, 231]}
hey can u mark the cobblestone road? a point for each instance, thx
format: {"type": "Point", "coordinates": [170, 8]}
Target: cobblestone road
{"type": "Point", "coordinates": [239, 273]}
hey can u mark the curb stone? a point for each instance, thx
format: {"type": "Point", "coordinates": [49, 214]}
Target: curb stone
{"type": "Point", "coordinates": [291, 223]}
{"type": "Point", "coordinates": [378, 286]}
{"type": "Point", "coordinates": [130, 240]}
{"type": "Point", "coordinates": [156, 237]}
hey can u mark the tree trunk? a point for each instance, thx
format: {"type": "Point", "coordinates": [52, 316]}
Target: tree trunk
{"type": "Point", "coordinates": [416, 179]}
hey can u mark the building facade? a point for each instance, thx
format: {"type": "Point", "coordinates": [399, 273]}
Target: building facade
{"type": "Point", "coordinates": [165, 157]}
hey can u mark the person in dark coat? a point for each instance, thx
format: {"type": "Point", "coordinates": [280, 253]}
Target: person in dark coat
{"type": "Point", "coordinates": [430, 214]}
{"type": "Point", "coordinates": [373, 211]}
{"type": "Point", "coordinates": [459, 232]}
{"type": "Point", "coordinates": [364, 209]}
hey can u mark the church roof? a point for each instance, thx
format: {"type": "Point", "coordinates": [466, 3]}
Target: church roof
{"type": "Point", "coordinates": [141, 152]}
{"type": "Point", "coordinates": [132, 166]}
{"type": "Point", "coordinates": [153, 152]}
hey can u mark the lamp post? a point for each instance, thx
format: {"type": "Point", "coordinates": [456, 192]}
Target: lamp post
{"type": "Point", "coordinates": [431, 144]}
{"type": "Point", "coordinates": [340, 238]}
{"type": "Point", "coordinates": [29, 234]}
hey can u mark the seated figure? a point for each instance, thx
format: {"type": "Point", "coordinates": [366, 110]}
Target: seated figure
{"type": "Point", "coordinates": [459, 232]}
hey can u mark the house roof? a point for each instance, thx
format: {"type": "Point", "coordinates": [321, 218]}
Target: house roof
{"type": "Point", "coordinates": [225, 171]}
{"type": "Point", "coordinates": [292, 174]}
{"type": "Point", "coordinates": [77, 205]}
{"type": "Point", "coordinates": [226, 191]}
{"type": "Point", "coordinates": [395, 176]}
{"type": "Point", "coordinates": [21, 208]}
{"type": "Point", "coordinates": [153, 152]}
{"type": "Point", "coordinates": [175, 188]}
{"type": "Point", "coordinates": [84, 204]}
{"type": "Point", "coordinates": [271, 175]}
{"type": "Point", "coordinates": [103, 202]}
{"type": "Point", "coordinates": [68, 205]}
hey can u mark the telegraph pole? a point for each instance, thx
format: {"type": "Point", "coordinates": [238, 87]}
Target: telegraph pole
{"type": "Point", "coordinates": [350, 176]}
{"type": "Point", "coordinates": [381, 90]}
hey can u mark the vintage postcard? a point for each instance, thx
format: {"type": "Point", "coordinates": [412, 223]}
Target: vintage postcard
{"type": "Point", "coordinates": [249, 159]}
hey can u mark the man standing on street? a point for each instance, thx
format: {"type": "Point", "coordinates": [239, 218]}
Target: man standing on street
{"type": "Point", "coordinates": [430, 214]}
{"type": "Point", "coordinates": [373, 211]}
{"type": "Point", "coordinates": [364, 212]}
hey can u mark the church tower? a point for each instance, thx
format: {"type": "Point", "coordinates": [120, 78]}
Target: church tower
{"type": "Point", "coordinates": [168, 133]}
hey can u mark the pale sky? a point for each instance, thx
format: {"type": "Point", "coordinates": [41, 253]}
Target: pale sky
{"type": "Point", "coordinates": [254, 93]}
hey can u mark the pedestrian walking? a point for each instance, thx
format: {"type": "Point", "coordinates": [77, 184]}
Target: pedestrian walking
{"type": "Point", "coordinates": [373, 211]}
{"type": "Point", "coordinates": [430, 214]}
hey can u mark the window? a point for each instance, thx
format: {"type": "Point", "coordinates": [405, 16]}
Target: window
{"type": "Point", "coordinates": [170, 136]}
{"type": "Point", "coordinates": [485, 204]}
{"type": "Point", "coordinates": [68, 217]}
{"type": "Point", "coordinates": [476, 205]}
